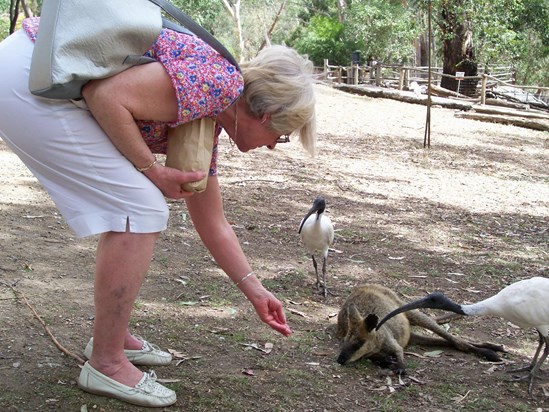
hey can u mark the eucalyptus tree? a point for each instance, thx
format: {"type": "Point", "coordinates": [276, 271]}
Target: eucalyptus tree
{"type": "Point", "coordinates": [244, 27]}
{"type": "Point", "coordinates": [488, 33]}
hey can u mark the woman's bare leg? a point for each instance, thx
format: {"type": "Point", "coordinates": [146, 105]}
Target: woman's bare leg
{"type": "Point", "coordinates": [122, 260]}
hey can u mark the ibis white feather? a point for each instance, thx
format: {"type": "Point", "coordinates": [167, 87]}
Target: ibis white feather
{"type": "Point", "coordinates": [317, 235]}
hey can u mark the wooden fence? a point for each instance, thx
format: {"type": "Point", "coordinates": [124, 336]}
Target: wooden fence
{"type": "Point", "coordinates": [400, 77]}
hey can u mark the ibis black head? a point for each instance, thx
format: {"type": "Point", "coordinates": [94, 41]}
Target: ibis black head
{"type": "Point", "coordinates": [319, 205]}
{"type": "Point", "coordinates": [435, 300]}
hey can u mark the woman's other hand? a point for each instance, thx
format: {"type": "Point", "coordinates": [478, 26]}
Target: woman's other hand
{"type": "Point", "coordinates": [170, 180]}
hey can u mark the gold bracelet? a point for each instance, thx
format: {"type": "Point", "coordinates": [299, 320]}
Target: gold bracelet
{"type": "Point", "coordinates": [144, 169]}
{"type": "Point", "coordinates": [244, 278]}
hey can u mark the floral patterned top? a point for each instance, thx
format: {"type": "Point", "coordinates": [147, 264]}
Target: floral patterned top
{"type": "Point", "coordinates": [204, 81]}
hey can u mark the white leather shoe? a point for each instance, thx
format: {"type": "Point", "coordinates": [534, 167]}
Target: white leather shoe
{"type": "Point", "coordinates": [147, 392]}
{"type": "Point", "coordinates": [149, 355]}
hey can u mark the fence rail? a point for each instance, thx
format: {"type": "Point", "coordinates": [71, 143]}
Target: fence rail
{"type": "Point", "coordinates": [401, 77]}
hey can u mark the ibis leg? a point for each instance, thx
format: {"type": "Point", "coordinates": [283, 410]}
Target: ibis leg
{"type": "Point", "coordinates": [324, 276]}
{"type": "Point", "coordinates": [326, 290]}
{"type": "Point", "coordinates": [316, 271]}
{"type": "Point", "coordinates": [534, 359]}
{"type": "Point", "coordinates": [538, 364]}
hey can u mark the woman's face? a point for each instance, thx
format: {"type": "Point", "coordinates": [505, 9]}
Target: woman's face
{"type": "Point", "coordinates": [254, 135]}
{"type": "Point", "coordinates": [253, 132]}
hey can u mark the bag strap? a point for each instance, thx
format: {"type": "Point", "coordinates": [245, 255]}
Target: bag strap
{"type": "Point", "coordinates": [194, 27]}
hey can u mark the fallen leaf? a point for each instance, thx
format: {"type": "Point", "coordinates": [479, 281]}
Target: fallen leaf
{"type": "Point", "coordinates": [381, 388]}
{"type": "Point", "coordinates": [268, 347]}
{"type": "Point", "coordinates": [433, 354]}
{"type": "Point", "coordinates": [459, 398]}
{"type": "Point", "coordinates": [396, 257]}
{"type": "Point", "coordinates": [177, 354]}
{"type": "Point", "coordinates": [219, 331]}
{"type": "Point", "coordinates": [188, 303]}
{"type": "Point", "coordinates": [491, 370]}
{"type": "Point", "coordinates": [168, 380]}
{"type": "Point", "coordinates": [297, 312]}
{"type": "Point", "coordinates": [318, 353]}
{"type": "Point", "coordinates": [417, 355]}
{"type": "Point", "coordinates": [248, 372]}
{"type": "Point", "coordinates": [416, 380]}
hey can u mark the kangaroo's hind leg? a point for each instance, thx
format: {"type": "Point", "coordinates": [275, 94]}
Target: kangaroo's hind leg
{"type": "Point", "coordinates": [486, 350]}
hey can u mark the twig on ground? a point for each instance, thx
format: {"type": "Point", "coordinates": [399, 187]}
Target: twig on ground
{"type": "Point", "coordinates": [18, 294]}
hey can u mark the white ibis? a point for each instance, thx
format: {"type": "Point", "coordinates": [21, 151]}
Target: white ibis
{"type": "Point", "coordinates": [524, 303]}
{"type": "Point", "coordinates": [317, 234]}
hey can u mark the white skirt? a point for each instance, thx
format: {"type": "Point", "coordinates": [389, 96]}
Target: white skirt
{"type": "Point", "coordinates": [93, 185]}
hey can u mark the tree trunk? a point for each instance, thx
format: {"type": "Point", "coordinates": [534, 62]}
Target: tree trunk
{"type": "Point", "coordinates": [14, 14]}
{"type": "Point", "coordinates": [342, 7]}
{"type": "Point", "coordinates": [268, 35]}
{"type": "Point", "coordinates": [422, 50]}
{"type": "Point", "coordinates": [457, 47]}
{"type": "Point", "coordinates": [234, 11]}
{"type": "Point", "coordinates": [26, 8]}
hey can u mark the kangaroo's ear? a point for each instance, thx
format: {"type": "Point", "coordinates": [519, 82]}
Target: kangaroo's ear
{"type": "Point", "coordinates": [370, 322]}
{"type": "Point", "coordinates": [355, 318]}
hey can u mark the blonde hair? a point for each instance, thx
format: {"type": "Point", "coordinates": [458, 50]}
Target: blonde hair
{"type": "Point", "coordinates": [279, 82]}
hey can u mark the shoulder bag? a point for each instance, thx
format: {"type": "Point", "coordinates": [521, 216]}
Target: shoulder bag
{"type": "Point", "coordinates": [81, 40]}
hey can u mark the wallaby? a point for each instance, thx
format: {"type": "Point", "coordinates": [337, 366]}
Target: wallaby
{"type": "Point", "coordinates": [358, 318]}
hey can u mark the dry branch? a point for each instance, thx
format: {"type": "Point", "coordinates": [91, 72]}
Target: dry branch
{"type": "Point", "coordinates": [510, 120]}
{"type": "Point", "coordinates": [505, 103]}
{"type": "Point", "coordinates": [443, 92]}
{"type": "Point", "coordinates": [406, 97]}
{"type": "Point", "coordinates": [511, 112]}
{"type": "Point", "coordinates": [20, 295]}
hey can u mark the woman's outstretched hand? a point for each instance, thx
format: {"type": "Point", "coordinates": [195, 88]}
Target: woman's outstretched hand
{"type": "Point", "coordinates": [269, 309]}
{"type": "Point", "coordinates": [170, 180]}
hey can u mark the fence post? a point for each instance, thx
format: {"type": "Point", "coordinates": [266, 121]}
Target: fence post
{"type": "Point", "coordinates": [339, 75]}
{"type": "Point", "coordinates": [378, 74]}
{"type": "Point", "coordinates": [401, 78]}
{"type": "Point", "coordinates": [326, 69]}
{"type": "Point", "coordinates": [483, 90]}
{"type": "Point", "coordinates": [355, 70]}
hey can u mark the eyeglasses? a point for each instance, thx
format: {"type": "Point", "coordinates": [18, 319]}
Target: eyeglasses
{"type": "Point", "coordinates": [283, 139]}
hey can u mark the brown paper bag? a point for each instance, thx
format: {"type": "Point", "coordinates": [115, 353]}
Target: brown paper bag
{"type": "Point", "coordinates": [190, 147]}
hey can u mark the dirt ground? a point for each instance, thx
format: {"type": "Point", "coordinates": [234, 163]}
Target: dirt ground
{"type": "Point", "coordinates": [467, 216]}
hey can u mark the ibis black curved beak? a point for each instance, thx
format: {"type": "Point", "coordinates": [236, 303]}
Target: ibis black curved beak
{"type": "Point", "coordinates": [434, 300]}
{"type": "Point", "coordinates": [404, 308]}
{"type": "Point", "coordinates": [319, 205]}
{"type": "Point", "coordinates": [309, 213]}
